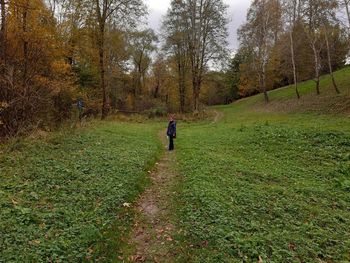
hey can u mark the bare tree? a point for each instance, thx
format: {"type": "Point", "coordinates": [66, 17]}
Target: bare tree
{"type": "Point", "coordinates": [312, 27]}
{"type": "Point", "coordinates": [291, 8]}
{"type": "Point", "coordinates": [207, 38]}
{"type": "Point", "coordinates": [329, 20]}
{"type": "Point", "coordinates": [175, 34]}
{"type": "Point", "coordinates": [346, 4]}
{"type": "Point", "coordinates": [198, 36]}
{"type": "Point", "coordinates": [318, 14]}
{"type": "Point", "coordinates": [326, 33]}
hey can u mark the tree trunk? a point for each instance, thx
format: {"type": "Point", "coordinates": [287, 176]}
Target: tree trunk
{"type": "Point", "coordinates": [3, 30]}
{"type": "Point", "coordinates": [182, 96]}
{"type": "Point", "coordinates": [105, 102]}
{"type": "Point", "coordinates": [293, 62]}
{"type": "Point", "coordinates": [330, 63]}
{"type": "Point", "coordinates": [156, 90]}
{"type": "Point", "coordinates": [346, 3]}
{"type": "Point", "coordinates": [182, 85]}
{"type": "Point", "coordinates": [317, 70]}
{"type": "Point", "coordinates": [25, 49]}
{"type": "Point", "coordinates": [196, 90]}
{"type": "Point", "coordinates": [263, 85]}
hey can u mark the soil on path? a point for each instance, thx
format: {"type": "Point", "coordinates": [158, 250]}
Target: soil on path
{"type": "Point", "coordinates": [217, 116]}
{"type": "Point", "coordinates": [153, 235]}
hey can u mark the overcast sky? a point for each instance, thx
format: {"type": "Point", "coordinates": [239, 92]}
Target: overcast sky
{"type": "Point", "coordinates": [237, 14]}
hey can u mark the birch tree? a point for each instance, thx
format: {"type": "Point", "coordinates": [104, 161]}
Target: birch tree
{"type": "Point", "coordinates": [291, 8]}
{"type": "Point", "coordinates": [259, 36]}
{"type": "Point", "coordinates": [329, 23]}
{"type": "Point", "coordinates": [346, 5]}
{"type": "Point", "coordinates": [312, 27]}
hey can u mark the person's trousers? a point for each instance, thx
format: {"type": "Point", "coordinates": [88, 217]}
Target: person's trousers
{"type": "Point", "coordinates": [171, 143]}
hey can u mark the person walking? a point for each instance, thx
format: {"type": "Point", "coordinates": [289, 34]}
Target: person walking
{"type": "Point", "coordinates": [171, 132]}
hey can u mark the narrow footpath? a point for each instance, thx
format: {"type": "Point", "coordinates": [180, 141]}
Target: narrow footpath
{"type": "Point", "coordinates": [152, 236]}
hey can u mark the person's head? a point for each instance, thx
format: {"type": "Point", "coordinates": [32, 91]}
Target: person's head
{"type": "Point", "coordinates": [171, 117]}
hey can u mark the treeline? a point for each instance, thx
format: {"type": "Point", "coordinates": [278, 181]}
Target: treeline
{"type": "Point", "coordinates": [60, 59]}
{"type": "Point", "coordinates": [56, 52]}
{"type": "Point", "coordinates": [284, 42]}
{"type": "Point", "coordinates": [99, 53]}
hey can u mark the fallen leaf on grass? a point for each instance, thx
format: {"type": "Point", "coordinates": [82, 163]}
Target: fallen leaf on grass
{"type": "Point", "coordinates": [126, 205]}
{"type": "Point", "coordinates": [291, 246]}
{"type": "Point", "coordinates": [137, 258]}
{"type": "Point", "coordinates": [34, 242]}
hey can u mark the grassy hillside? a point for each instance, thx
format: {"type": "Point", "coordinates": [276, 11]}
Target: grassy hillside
{"type": "Point", "coordinates": [284, 99]}
{"type": "Point", "coordinates": [269, 182]}
{"type": "Point", "coordinates": [61, 196]}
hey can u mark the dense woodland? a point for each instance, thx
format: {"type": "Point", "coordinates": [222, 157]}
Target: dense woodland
{"type": "Point", "coordinates": [57, 52]}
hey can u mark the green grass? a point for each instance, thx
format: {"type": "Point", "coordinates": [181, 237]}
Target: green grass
{"type": "Point", "coordinates": [269, 184]}
{"type": "Point", "coordinates": [269, 181]}
{"type": "Point", "coordinates": [328, 102]}
{"type": "Point", "coordinates": [61, 199]}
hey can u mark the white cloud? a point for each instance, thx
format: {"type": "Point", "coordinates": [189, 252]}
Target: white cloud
{"type": "Point", "coordinates": [237, 14]}
{"type": "Point", "coordinates": [158, 5]}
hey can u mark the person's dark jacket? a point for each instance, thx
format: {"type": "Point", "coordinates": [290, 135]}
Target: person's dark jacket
{"type": "Point", "coordinates": [171, 129]}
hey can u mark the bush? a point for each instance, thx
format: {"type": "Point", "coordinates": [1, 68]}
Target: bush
{"type": "Point", "coordinates": [157, 112]}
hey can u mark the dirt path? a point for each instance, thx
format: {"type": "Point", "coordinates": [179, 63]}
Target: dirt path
{"type": "Point", "coordinates": [152, 236]}
{"type": "Point", "coordinates": [217, 117]}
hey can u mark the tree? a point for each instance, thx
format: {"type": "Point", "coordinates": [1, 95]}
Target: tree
{"type": "Point", "coordinates": [160, 74]}
{"type": "Point", "coordinates": [207, 38]}
{"type": "Point", "coordinates": [329, 59]}
{"type": "Point", "coordinates": [318, 16]}
{"type": "Point", "coordinates": [3, 29]}
{"type": "Point", "coordinates": [36, 75]}
{"type": "Point", "coordinates": [290, 10]}
{"type": "Point", "coordinates": [259, 35]}
{"type": "Point", "coordinates": [196, 31]}
{"type": "Point", "coordinates": [312, 27]}
{"type": "Point", "coordinates": [234, 73]}
{"type": "Point", "coordinates": [142, 44]}
{"type": "Point", "coordinates": [346, 5]}
{"type": "Point", "coordinates": [176, 43]}
{"type": "Point", "coordinates": [127, 11]}
{"type": "Point", "coordinates": [329, 18]}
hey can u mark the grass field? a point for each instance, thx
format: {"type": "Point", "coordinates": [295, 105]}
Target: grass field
{"type": "Point", "coordinates": [268, 185]}
{"type": "Point", "coordinates": [61, 199]}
